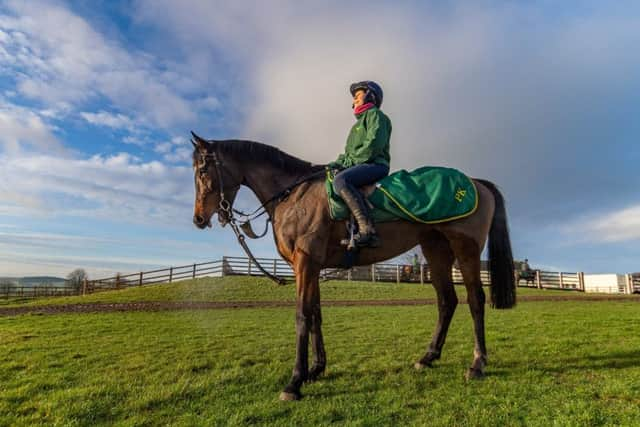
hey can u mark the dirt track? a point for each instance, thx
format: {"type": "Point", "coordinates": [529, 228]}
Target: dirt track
{"type": "Point", "coordinates": [183, 305]}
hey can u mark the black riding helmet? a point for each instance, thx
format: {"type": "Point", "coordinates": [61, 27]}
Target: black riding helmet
{"type": "Point", "coordinates": [373, 91]}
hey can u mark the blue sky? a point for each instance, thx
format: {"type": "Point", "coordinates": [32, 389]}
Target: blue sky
{"type": "Point", "coordinates": [97, 100]}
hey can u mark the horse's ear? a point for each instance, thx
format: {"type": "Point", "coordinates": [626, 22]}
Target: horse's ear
{"type": "Point", "coordinates": [199, 143]}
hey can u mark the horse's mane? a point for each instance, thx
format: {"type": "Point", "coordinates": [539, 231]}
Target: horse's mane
{"type": "Point", "coordinates": [256, 151]}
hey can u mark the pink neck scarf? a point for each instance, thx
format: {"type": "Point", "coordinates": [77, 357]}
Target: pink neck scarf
{"type": "Point", "coordinates": [364, 107]}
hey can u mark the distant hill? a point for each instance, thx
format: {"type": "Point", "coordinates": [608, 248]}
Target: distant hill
{"type": "Point", "coordinates": [35, 280]}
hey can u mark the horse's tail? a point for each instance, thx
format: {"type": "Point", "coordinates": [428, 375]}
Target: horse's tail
{"type": "Point", "coordinates": [503, 284]}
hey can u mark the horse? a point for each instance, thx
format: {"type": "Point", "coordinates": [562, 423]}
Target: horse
{"type": "Point", "coordinates": [309, 240]}
{"type": "Point", "coordinates": [529, 276]}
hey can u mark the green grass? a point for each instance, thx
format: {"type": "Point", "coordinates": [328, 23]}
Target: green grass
{"type": "Point", "coordinates": [243, 288]}
{"type": "Point", "coordinates": [551, 363]}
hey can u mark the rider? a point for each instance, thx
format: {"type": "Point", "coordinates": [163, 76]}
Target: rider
{"type": "Point", "coordinates": [366, 157]}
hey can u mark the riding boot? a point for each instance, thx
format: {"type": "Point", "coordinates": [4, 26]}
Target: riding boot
{"type": "Point", "coordinates": [366, 235]}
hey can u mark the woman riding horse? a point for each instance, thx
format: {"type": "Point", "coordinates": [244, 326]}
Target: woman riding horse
{"type": "Point", "coordinates": [293, 193]}
{"type": "Point", "coordinates": [365, 159]}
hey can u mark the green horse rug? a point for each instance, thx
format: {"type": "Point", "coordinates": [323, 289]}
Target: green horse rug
{"type": "Point", "coordinates": [428, 195]}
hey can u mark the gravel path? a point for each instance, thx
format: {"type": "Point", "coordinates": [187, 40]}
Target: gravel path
{"type": "Point", "coordinates": [183, 305]}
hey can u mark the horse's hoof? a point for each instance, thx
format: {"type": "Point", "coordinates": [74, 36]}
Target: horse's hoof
{"type": "Point", "coordinates": [474, 374]}
{"type": "Point", "coordinates": [420, 366]}
{"type": "Point", "coordinates": [287, 396]}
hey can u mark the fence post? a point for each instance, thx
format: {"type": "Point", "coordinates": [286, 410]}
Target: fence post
{"type": "Point", "coordinates": [538, 281]}
{"type": "Point", "coordinates": [249, 265]}
{"type": "Point", "coordinates": [373, 272]}
{"type": "Point", "coordinates": [84, 287]}
{"type": "Point", "coordinates": [170, 274]}
{"type": "Point", "coordinates": [398, 274]}
{"type": "Point", "coordinates": [193, 275]}
{"type": "Point", "coordinates": [422, 273]}
{"type": "Point", "coordinates": [581, 281]}
{"type": "Point", "coordinates": [275, 267]}
{"type": "Point", "coordinates": [561, 283]}
{"type": "Point", "coordinates": [629, 283]}
{"type": "Point", "coordinates": [140, 280]}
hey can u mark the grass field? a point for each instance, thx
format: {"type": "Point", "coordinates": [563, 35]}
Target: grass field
{"type": "Point", "coordinates": [551, 363]}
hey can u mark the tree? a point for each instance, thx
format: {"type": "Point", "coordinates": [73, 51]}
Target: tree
{"type": "Point", "coordinates": [76, 278]}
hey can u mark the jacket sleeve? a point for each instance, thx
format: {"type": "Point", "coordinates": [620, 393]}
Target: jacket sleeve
{"type": "Point", "coordinates": [375, 140]}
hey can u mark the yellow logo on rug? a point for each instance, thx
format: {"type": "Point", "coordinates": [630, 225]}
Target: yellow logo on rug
{"type": "Point", "coordinates": [460, 194]}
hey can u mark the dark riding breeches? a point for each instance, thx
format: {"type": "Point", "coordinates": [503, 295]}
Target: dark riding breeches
{"type": "Point", "coordinates": [358, 176]}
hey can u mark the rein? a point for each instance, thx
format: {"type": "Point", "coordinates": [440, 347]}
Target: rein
{"type": "Point", "coordinates": [225, 206]}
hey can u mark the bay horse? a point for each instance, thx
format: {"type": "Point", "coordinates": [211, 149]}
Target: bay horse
{"type": "Point", "coordinates": [309, 240]}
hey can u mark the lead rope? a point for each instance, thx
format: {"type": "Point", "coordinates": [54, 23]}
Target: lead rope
{"type": "Point", "coordinates": [243, 243]}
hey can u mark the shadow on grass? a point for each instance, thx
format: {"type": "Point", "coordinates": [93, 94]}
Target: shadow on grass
{"type": "Point", "coordinates": [614, 360]}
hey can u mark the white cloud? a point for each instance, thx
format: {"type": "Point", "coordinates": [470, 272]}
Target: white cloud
{"type": "Point", "coordinates": [21, 127]}
{"type": "Point", "coordinates": [177, 150]}
{"type": "Point", "coordinates": [58, 57]}
{"type": "Point", "coordinates": [114, 121]}
{"type": "Point", "coordinates": [179, 155]}
{"type": "Point", "coordinates": [209, 103]}
{"type": "Point", "coordinates": [609, 227]}
{"type": "Point", "coordinates": [163, 148]}
{"type": "Point", "coordinates": [100, 186]}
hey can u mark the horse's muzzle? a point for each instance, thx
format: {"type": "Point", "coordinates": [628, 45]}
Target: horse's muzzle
{"type": "Point", "coordinates": [200, 222]}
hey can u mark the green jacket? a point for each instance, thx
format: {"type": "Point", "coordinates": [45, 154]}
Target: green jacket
{"type": "Point", "coordinates": [368, 140]}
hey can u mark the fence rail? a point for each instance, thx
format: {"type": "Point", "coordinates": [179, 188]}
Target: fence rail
{"type": "Point", "coordinates": [232, 266]}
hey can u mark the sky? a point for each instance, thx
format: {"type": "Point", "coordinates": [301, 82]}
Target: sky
{"type": "Point", "coordinates": [97, 100]}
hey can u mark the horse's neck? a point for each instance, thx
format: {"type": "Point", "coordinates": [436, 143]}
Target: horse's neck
{"type": "Point", "coordinates": [266, 181]}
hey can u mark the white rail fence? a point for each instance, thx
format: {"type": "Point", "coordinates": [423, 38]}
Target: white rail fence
{"type": "Point", "coordinates": [383, 272]}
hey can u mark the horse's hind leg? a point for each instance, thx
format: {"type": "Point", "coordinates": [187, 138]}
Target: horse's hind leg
{"type": "Point", "coordinates": [440, 257]}
{"type": "Point", "coordinates": [468, 255]}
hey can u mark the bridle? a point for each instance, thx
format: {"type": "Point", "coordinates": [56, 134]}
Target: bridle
{"type": "Point", "coordinates": [225, 206]}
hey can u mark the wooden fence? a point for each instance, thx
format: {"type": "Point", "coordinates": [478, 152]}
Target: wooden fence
{"type": "Point", "coordinates": [229, 266]}
{"type": "Point", "coordinates": [165, 275]}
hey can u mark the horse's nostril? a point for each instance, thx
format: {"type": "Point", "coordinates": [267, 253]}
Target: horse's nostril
{"type": "Point", "coordinates": [198, 220]}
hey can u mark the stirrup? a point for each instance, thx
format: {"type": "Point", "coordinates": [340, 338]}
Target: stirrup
{"type": "Point", "coordinates": [369, 240]}
{"type": "Point", "coordinates": [350, 242]}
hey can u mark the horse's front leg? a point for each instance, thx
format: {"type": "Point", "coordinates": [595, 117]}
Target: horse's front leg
{"type": "Point", "coordinates": [317, 343]}
{"type": "Point", "coordinates": [307, 320]}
